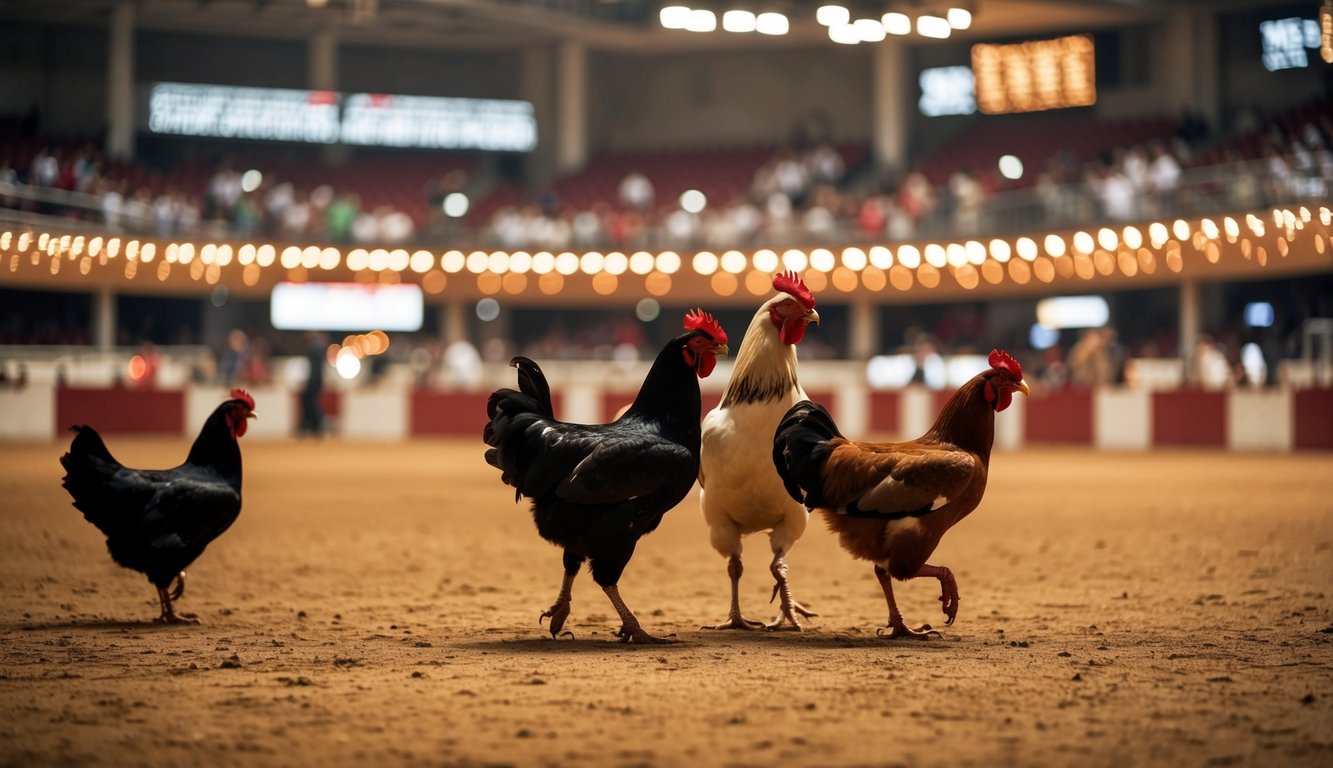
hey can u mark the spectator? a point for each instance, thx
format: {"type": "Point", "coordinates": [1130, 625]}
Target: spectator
{"type": "Point", "coordinates": [312, 409]}
{"type": "Point", "coordinates": [637, 192]}
{"type": "Point", "coordinates": [1090, 360]}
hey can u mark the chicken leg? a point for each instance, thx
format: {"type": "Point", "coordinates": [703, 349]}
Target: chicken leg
{"type": "Point", "coordinates": [178, 591]}
{"type": "Point", "coordinates": [734, 619]}
{"type": "Point", "coordinates": [169, 615]}
{"type": "Point", "coordinates": [788, 607]}
{"type": "Point", "coordinates": [559, 611]}
{"type": "Point", "coordinates": [896, 626]}
{"type": "Point", "coordinates": [630, 631]}
{"type": "Point", "coordinates": [948, 589]}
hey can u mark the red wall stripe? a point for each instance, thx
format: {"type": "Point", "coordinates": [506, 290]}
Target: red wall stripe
{"type": "Point", "coordinates": [612, 402]}
{"type": "Point", "coordinates": [459, 414]}
{"type": "Point", "coordinates": [1189, 417]}
{"type": "Point", "coordinates": [123, 411]}
{"type": "Point", "coordinates": [1313, 412]}
{"type": "Point", "coordinates": [1060, 417]}
{"type": "Point", "coordinates": [885, 407]}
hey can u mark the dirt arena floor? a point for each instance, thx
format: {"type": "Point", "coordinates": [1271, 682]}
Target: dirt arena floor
{"type": "Point", "coordinates": [376, 604]}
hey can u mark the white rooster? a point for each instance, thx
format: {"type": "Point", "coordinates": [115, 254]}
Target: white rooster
{"type": "Point", "coordinates": [741, 491]}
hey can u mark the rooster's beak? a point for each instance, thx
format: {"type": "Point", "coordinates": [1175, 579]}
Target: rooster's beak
{"type": "Point", "coordinates": [721, 349]}
{"type": "Point", "coordinates": [1022, 386]}
{"type": "Point", "coordinates": [812, 317]}
{"type": "Point", "coordinates": [252, 415]}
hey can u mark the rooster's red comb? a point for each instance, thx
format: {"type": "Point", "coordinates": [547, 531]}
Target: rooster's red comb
{"type": "Point", "coordinates": [243, 396]}
{"type": "Point", "coordinates": [1002, 361]}
{"type": "Point", "coordinates": [789, 282]}
{"type": "Point", "coordinates": [699, 320]}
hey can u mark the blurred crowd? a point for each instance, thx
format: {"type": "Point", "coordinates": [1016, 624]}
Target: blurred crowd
{"type": "Point", "coordinates": [803, 194]}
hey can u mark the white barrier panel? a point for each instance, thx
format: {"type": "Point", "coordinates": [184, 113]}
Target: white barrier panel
{"type": "Point", "coordinates": [376, 414]}
{"type": "Point", "coordinates": [273, 410]}
{"type": "Point", "coordinates": [1122, 419]}
{"type": "Point", "coordinates": [28, 413]}
{"type": "Point", "coordinates": [852, 401]}
{"type": "Point", "coordinates": [582, 404]}
{"type": "Point", "coordinates": [1009, 431]}
{"type": "Point", "coordinates": [918, 412]}
{"type": "Point", "coordinates": [1259, 421]}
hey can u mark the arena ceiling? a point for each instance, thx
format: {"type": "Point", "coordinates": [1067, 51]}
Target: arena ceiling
{"type": "Point", "coordinates": [628, 25]}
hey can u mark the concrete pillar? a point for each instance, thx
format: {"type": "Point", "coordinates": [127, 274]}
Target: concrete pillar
{"type": "Point", "coordinates": [322, 75]}
{"type": "Point", "coordinates": [891, 81]}
{"type": "Point", "coordinates": [864, 331]}
{"type": "Point", "coordinates": [572, 102]}
{"type": "Point", "coordinates": [1190, 316]}
{"type": "Point", "coordinates": [536, 86]}
{"type": "Point", "coordinates": [453, 322]}
{"type": "Point", "coordinates": [104, 319]}
{"type": "Point", "coordinates": [1207, 63]}
{"type": "Point", "coordinates": [120, 82]}
{"type": "Point", "coordinates": [322, 60]}
{"type": "Point", "coordinates": [1188, 46]}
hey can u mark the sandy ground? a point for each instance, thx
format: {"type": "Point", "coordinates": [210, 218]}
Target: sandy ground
{"type": "Point", "coordinates": [377, 605]}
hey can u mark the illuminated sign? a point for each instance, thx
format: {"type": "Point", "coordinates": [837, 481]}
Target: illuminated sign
{"type": "Point", "coordinates": [1036, 75]}
{"type": "Point", "coordinates": [224, 112]}
{"type": "Point", "coordinates": [1326, 32]}
{"type": "Point", "coordinates": [325, 117]}
{"type": "Point", "coordinates": [438, 123]}
{"type": "Point", "coordinates": [947, 91]}
{"type": "Point", "coordinates": [1285, 41]}
{"type": "Point", "coordinates": [346, 307]}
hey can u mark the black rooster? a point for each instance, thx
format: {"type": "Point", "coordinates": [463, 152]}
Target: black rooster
{"type": "Point", "coordinates": [158, 521]}
{"type": "Point", "coordinates": [596, 489]}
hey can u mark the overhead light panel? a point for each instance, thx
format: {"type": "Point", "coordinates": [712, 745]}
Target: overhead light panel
{"type": "Point", "coordinates": [896, 23]}
{"type": "Point", "coordinates": [868, 30]}
{"type": "Point", "coordinates": [832, 15]}
{"type": "Point", "coordinates": [701, 20]}
{"type": "Point", "coordinates": [739, 21]}
{"type": "Point", "coordinates": [674, 16]}
{"type": "Point", "coordinates": [933, 26]}
{"type": "Point", "coordinates": [845, 34]}
{"type": "Point", "coordinates": [959, 18]}
{"type": "Point", "coordinates": [771, 24]}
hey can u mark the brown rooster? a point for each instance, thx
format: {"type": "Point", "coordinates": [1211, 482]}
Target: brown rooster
{"type": "Point", "coordinates": [890, 503]}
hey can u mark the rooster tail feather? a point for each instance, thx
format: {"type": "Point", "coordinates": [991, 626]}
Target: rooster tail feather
{"type": "Point", "coordinates": [800, 449]}
{"type": "Point", "coordinates": [86, 443]}
{"type": "Point", "coordinates": [89, 466]}
{"type": "Point", "coordinates": [532, 382]}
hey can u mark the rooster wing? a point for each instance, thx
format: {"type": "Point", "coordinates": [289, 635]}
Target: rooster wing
{"type": "Point", "coordinates": [594, 465]}
{"type": "Point", "coordinates": [895, 481]}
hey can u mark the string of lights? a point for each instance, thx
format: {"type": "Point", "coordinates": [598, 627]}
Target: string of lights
{"type": "Point", "coordinates": [1105, 252]}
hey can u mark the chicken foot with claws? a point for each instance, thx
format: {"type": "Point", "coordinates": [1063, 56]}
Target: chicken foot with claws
{"type": "Point", "coordinates": [169, 615]}
{"type": "Point", "coordinates": [734, 618]}
{"type": "Point", "coordinates": [559, 610]}
{"type": "Point", "coordinates": [630, 631]}
{"type": "Point", "coordinates": [788, 607]}
{"type": "Point", "coordinates": [897, 627]}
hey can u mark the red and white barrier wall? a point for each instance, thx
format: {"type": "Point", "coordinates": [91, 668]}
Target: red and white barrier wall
{"type": "Point", "coordinates": [1113, 418]}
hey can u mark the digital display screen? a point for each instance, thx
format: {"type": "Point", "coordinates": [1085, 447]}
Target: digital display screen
{"type": "Point", "coordinates": [1036, 75]}
{"type": "Point", "coordinates": [947, 91]}
{"type": "Point", "coordinates": [1285, 41]}
{"type": "Point", "coordinates": [346, 307]}
{"type": "Point", "coordinates": [325, 117]}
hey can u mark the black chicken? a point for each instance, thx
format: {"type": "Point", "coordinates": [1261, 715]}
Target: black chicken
{"type": "Point", "coordinates": [596, 489]}
{"type": "Point", "coordinates": [158, 521]}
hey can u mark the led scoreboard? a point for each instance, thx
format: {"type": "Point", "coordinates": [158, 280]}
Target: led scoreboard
{"type": "Point", "coordinates": [1035, 75]}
